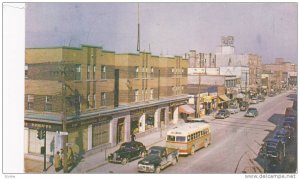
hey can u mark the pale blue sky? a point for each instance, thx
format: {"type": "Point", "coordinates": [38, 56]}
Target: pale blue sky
{"type": "Point", "coordinates": [267, 29]}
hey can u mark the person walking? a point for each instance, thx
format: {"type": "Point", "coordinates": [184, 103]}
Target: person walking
{"type": "Point", "coordinates": [70, 156]}
{"type": "Point", "coordinates": [61, 157]}
{"type": "Point", "coordinates": [132, 137]}
{"type": "Point", "coordinates": [57, 162]}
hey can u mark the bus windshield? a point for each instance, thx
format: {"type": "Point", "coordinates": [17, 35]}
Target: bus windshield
{"type": "Point", "coordinates": [170, 138]}
{"type": "Point", "coordinates": [180, 139]}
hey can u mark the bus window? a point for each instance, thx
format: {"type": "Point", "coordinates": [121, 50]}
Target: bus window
{"type": "Point", "coordinates": [189, 138]}
{"type": "Point", "coordinates": [180, 139]}
{"type": "Point", "coordinates": [198, 134]}
{"type": "Point", "coordinates": [201, 133]}
{"type": "Point", "coordinates": [171, 138]}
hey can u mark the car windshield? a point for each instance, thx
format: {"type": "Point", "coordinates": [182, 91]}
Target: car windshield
{"type": "Point", "coordinates": [125, 146]}
{"type": "Point", "coordinates": [153, 152]}
{"type": "Point", "coordinates": [221, 113]}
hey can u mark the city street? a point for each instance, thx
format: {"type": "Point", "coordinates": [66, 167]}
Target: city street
{"type": "Point", "coordinates": [235, 143]}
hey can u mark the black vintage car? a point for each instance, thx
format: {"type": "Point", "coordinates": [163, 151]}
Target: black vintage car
{"type": "Point", "coordinates": [128, 151]}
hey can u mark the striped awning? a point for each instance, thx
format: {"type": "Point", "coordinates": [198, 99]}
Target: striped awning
{"type": "Point", "coordinates": [186, 109]}
{"type": "Point", "coordinates": [224, 97]}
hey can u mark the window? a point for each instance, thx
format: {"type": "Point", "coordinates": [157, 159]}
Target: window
{"type": "Point", "coordinates": [100, 133]}
{"type": "Point", "coordinates": [78, 72]}
{"type": "Point", "coordinates": [48, 103]}
{"type": "Point", "coordinates": [94, 101]}
{"type": "Point", "coordinates": [88, 72]}
{"type": "Point", "coordinates": [180, 138]}
{"type": "Point", "coordinates": [26, 71]}
{"type": "Point", "coordinates": [152, 72]}
{"type": "Point", "coordinates": [94, 72]}
{"type": "Point", "coordinates": [103, 72]}
{"type": "Point", "coordinates": [30, 100]}
{"type": "Point", "coordinates": [136, 95]}
{"type": "Point", "coordinates": [151, 94]}
{"type": "Point", "coordinates": [103, 99]}
{"type": "Point", "coordinates": [146, 93]}
{"type": "Point", "coordinates": [170, 138]}
{"type": "Point", "coordinates": [136, 75]}
{"type": "Point", "coordinates": [88, 101]}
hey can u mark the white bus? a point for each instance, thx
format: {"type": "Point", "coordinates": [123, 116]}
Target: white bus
{"type": "Point", "coordinates": [189, 137]}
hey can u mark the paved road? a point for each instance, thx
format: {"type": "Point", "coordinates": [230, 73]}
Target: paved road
{"type": "Point", "coordinates": [235, 143]}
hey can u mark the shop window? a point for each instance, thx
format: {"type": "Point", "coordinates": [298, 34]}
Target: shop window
{"type": "Point", "coordinates": [152, 72]}
{"type": "Point", "coordinates": [100, 133]}
{"type": "Point", "coordinates": [48, 103]}
{"type": "Point", "coordinates": [78, 72]}
{"type": "Point", "coordinates": [30, 101]}
{"type": "Point", "coordinates": [149, 121]}
{"type": "Point", "coordinates": [134, 125]}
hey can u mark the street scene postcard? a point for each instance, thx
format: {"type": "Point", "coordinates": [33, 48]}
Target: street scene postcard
{"type": "Point", "coordinates": [169, 88]}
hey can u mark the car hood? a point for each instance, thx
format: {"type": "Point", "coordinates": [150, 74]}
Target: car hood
{"type": "Point", "coordinates": [150, 159]}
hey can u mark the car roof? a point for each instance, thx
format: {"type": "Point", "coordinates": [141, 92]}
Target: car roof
{"type": "Point", "coordinates": [252, 109]}
{"type": "Point", "coordinates": [157, 148]}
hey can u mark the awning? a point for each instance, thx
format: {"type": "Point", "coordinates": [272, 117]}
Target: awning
{"type": "Point", "coordinates": [186, 109]}
{"type": "Point", "coordinates": [224, 97]}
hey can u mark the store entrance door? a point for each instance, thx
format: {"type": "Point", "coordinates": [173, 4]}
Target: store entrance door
{"type": "Point", "coordinates": [120, 131]}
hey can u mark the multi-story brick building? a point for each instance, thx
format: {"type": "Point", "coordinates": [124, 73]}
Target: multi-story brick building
{"type": "Point", "coordinates": [108, 96]}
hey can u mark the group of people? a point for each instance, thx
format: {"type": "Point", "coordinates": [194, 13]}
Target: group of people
{"type": "Point", "coordinates": [59, 159]}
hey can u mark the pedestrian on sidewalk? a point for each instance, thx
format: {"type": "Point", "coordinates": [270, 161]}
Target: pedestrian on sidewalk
{"type": "Point", "coordinates": [62, 157]}
{"type": "Point", "coordinates": [57, 161]}
{"type": "Point", "coordinates": [70, 156]}
{"type": "Point", "coordinates": [132, 137]}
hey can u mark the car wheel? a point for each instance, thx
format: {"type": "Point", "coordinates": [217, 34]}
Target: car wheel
{"type": "Point", "coordinates": [157, 169]}
{"type": "Point", "coordinates": [124, 161]}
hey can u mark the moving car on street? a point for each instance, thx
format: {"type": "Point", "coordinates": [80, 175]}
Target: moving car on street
{"type": "Point", "coordinates": [233, 109]}
{"type": "Point", "coordinates": [254, 100]}
{"type": "Point", "coordinates": [158, 158]}
{"type": "Point", "coordinates": [244, 105]}
{"type": "Point", "coordinates": [261, 98]}
{"type": "Point", "coordinates": [222, 114]}
{"type": "Point", "coordinates": [128, 151]}
{"type": "Point", "coordinates": [189, 137]}
{"type": "Point", "coordinates": [251, 112]}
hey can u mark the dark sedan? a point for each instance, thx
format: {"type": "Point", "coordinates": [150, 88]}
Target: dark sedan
{"type": "Point", "coordinates": [128, 151]}
{"type": "Point", "coordinates": [251, 112]}
{"type": "Point", "coordinates": [222, 114]}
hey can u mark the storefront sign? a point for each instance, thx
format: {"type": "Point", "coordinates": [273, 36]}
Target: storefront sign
{"type": "Point", "coordinates": [207, 99]}
{"type": "Point", "coordinates": [89, 121]}
{"type": "Point", "coordinates": [49, 127]}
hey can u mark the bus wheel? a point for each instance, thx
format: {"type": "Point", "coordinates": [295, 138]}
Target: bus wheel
{"type": "Point", "coordinates": [174, 161]}
{"type": "Point", "coordinates": [206, 144]}
{"type": "Point", "coordinates": [193, 150]}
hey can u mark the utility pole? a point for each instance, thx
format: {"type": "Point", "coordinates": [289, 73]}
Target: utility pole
{"type": "Point", "coordinates": [64, 124]}
{"type": "Point", "coordinates": [44, 135]}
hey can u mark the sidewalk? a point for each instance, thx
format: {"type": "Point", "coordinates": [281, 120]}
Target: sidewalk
{"type": "Point", "coordinates": [93, 161]}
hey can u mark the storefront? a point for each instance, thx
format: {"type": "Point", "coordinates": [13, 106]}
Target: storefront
{"type": "Point", "coordinates": [223, 102]}
{"type": "Point", "coordinates": [142, 119]}
{"type": "Point", "coordinates": [207, 104]}
{"type": "Point", "coordinates": [186, 111]}
{"type": "Point", "coordinates": [174, 111]}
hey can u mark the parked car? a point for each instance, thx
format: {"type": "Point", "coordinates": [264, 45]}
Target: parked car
{"type": "Point", "coordinates": [271, 94]}
{"type": "Point", "coordinates": [233, 109]}
{"type": "Point", "coordinates": [251, 112]}
{"type": "Point", "coordinates": [273, 149]}
{"type": "Point", "coordinates": [261, 98]}
{"type": "Point", "coordinates": [128, 151]}
{"type": "Point", "coordinates": [222, 114]}
{"type": "Point", "coordinates": [254, 100]}
{"type": "Point", "coordinates": [283, 135]}
{"type": "Point", "coordinates": [244, 105]}
{"type": "Point", "coordinates": [158, 158]}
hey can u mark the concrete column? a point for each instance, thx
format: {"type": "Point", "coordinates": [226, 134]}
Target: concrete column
{"type": "Point", "coordinates": [157, 118]}
{"type": "Point", "coordinates": [127, 122]}
{"type": "Point", "coordinates": [175, 115]}
{"type": "Point", "coordinates": [167, 116]}
{"type": "Point", "coordinates": [26, 139]}
{"type": "Point", "coordinates": [142, 123]}
{"type": "Point", "coordinates": [113, 131]}
{"type": "Point", "coordinates": [90, 137]}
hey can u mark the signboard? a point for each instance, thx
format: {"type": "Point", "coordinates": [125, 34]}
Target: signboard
{"type": "Point", "coordinates": [63, 133]}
